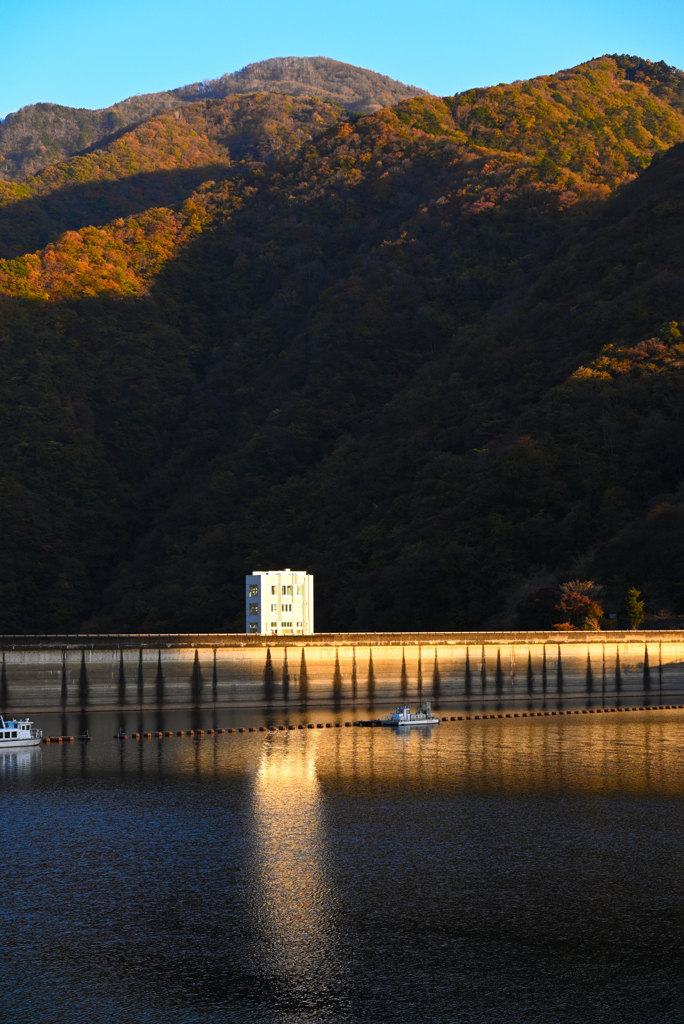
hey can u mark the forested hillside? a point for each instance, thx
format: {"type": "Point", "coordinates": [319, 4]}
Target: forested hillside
{"type": "Point", "coordinates": [43, 133]}
{"type": "Point", "coordinates": [432, 354]}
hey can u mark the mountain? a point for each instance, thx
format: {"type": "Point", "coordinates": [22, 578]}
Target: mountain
{"type": "Point", "coordinates": [45, 133]}
{"type": "Point", "coordinates": [353, 88]}
{"type": "Point", "coordinates": [431, 354]}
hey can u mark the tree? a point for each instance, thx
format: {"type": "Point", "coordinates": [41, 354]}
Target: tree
{"type": "Point", "coordinates": [635, 608]}
{"type": "Point", "coordinates": [578, 600]}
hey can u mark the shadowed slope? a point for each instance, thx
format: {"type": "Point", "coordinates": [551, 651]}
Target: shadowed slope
{"type": "Point", "coordinates": [360, 350]}
{"type": "Point", "coordinates": [424, 487]}
{"type": "Point", "coordinates": [158, 163]}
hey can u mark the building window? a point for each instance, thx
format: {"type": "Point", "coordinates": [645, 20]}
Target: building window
{"type": "Point", "coordinates": [274, 607]}
{"type": "Point", "coordinates": [300, 623]}
{"type": "Point", "coordinates": [273, 590]}
{"type": "Point", "coordinates": [284, 624]}
{"type": "Point", "coordinates": [274, 624]}
{"type": "Point", "coordinates": [299, 591]}
{"type": "Point", "coordinates": [254, 627]}
{"type": "Point", "coordinates": [286, 607]}
{"type": "Point", "coordinates": [254, 609]}
{"type": "Point", "coordinates": [254, 590]}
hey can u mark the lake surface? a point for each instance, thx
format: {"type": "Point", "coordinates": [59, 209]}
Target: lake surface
{"type": "Point", "coordinates": [506, 870]}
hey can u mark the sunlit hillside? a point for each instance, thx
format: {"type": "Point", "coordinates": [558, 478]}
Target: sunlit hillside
{"type": "Point", "coordinates": [431, 354]}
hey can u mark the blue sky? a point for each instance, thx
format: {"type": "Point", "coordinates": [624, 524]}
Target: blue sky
{"type": "Point", "coordinates": [89, 54]}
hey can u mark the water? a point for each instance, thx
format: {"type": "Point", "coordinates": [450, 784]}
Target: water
{"type": "Point", "coordinates": [506, 870]}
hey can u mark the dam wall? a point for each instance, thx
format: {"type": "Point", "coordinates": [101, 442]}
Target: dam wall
{"type": "Point", "coordinates": [339, 669]}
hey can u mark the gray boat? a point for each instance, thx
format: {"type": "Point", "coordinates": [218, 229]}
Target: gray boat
{"type": "Point", "coordinates": [402, 717]}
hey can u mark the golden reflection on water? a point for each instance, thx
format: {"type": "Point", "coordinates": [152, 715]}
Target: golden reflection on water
{"type": "Point", "coordinates": [630, 752]}
{"type": "Point", "coordinates": [291, 879]}
{"type": "Point", "coordinates": [639, 754]}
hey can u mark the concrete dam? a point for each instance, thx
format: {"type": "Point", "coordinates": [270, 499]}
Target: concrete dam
{"type": "Point", "coordinates": [495, 669]}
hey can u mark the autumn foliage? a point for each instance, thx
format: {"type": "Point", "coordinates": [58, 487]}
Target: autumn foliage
{"type": "Point", "coordinates": [430, 354]}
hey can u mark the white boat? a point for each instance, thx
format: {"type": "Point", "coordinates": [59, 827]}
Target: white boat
{"type": "Point", "coordinates": [18, 733]}
{"type": "Point", "coordinates": [403, 718]}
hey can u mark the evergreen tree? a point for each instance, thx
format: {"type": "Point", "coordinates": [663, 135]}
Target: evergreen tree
{"type": "Point", "coordinates": [635, 608]}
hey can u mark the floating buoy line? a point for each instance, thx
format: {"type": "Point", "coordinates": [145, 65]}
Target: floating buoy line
{"type": "Point", "coordinates": [361, 723]}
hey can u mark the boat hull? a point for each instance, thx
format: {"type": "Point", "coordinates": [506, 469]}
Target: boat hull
{"type": "Point", "coordinates": [30, 741]}
{"type": "Point", "coordinates": [410, 725]}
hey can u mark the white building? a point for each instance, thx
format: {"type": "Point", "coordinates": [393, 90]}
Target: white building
{"type": "Point", "coordinates": [279, 602]}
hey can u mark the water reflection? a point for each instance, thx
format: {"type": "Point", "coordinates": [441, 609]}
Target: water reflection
{"type": "Point", "coordinates": [635, 752]}
{"type": "Point", "coordinates": [19, 762]}
{"type": "Point", "coordinates": [339, 875]}
{"type": "Point", "coordinates": [293, 919]}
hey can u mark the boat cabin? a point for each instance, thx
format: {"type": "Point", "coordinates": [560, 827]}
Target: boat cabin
{"type": "Point", "coordinates": [14, 729]}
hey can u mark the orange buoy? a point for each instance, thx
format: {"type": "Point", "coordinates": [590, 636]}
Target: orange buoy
{"type": "Point", "coordinates": [337, 725]}
{"type": "Point", "coordinates": [168, 735]}
{"type": "Point", "coordinates": [328, 725]}
{"type": "Point", "coordinates": [46, 739]}
{"type": "Point", "coordinates": [229, 730]}
{"type": "Point", "coordinates": [290, 728]}
{"type": "Point", "coordinates": [319, 725]}
{"type": "Point", "coordinates": [310, 725]}
{"type": "Point", "coordinates": [347, 725]}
